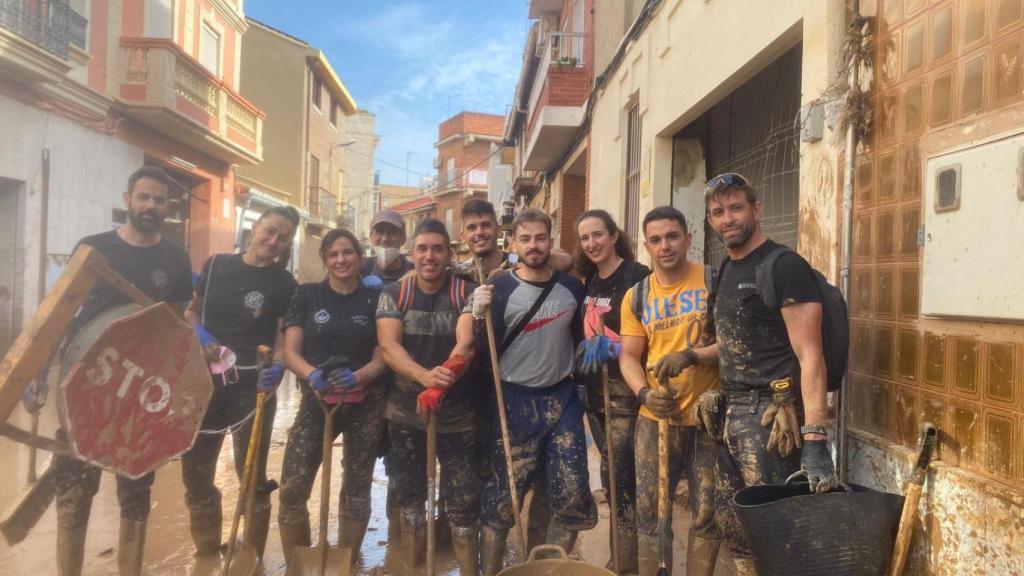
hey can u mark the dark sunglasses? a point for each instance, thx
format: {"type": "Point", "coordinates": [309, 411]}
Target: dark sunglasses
{"type": "Point", "coordinates": [725, 181]}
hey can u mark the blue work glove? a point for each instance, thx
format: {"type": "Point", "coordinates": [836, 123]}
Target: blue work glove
{"type": "Point", "coordinates": [34, 397]}
{"type": "Point", "coordinates": [595, 351]}
{"type": "Point", "coordinates": [373, 281]}
{"type": "Point", "coordinates": [271, 377]}
{"type": "Point", "coordinates": [317, 381]}
{"type": "Point", "coordinates": [205, 338]}
{"type": "Point", "coordinates": [342, 378]}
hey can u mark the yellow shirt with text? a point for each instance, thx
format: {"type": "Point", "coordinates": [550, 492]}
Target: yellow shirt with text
{"type": "Point", "coordinates": [673, 316]}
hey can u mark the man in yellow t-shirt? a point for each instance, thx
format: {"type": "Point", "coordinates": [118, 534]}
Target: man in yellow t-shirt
{"type": "Point", "coordinates": [674, 302]}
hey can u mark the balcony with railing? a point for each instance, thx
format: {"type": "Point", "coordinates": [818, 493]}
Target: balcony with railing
{"type": "Point", "coordinates": [474, 179]}
{"type": "Point", "coordinates": [560, 89]}
{"type": "Point", "coordinates": [35, 37]}
{"type": "Point", "coordinates": [324, 208]}
{"type": "Point", "coordinates": [169, 91]}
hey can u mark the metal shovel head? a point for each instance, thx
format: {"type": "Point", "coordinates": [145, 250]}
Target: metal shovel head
{"type": "Point", "coordinates": [306, 562]}
{"type": "Point", "coordinates": [244, 561]}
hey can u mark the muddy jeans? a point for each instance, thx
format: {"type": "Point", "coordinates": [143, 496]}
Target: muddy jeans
{"type": "Point", "coordinates": [229, 404]}
{"type": "Point", "coordinates": [744, 460]}
{"type": "Point", "coordinates": [76, 483]}
{"type": "Point", "coordinates": [460, 482]}
{"type": "Point", "coordinates": [362, 425]}
{"type": "Point", "coordinates": [623, 437]}
{"type": "Point", "coordinates": [546, 434]}
{"type": "Point", "coordinates": [690, 452]}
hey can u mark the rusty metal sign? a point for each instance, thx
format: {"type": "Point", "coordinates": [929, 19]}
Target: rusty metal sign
{"type": "Point", "coordinates": [136, 397]}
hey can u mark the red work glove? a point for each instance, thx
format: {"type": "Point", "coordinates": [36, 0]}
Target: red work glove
{"type": "Point", "coordinates": [428, 400]}
{"type": "Point", "coordinates": [457, 364]}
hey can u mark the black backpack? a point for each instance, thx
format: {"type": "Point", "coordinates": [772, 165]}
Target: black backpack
{"type": "Point", "coordinates": [835, 318]}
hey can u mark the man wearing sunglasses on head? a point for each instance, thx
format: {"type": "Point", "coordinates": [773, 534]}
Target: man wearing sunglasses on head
{"type": "Point", "coordinates": [771, 361]}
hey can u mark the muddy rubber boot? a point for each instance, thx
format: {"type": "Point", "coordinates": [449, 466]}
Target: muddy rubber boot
{"type": "Point", "coordinates": [493, 549]}
{"type": "Point", "coordinates": [206, 527]}
{"type": "Point", "coordinates": [260, 527]}
{"type": "Point", "coordinates": [701, 555]}
{"type": "Point", "coordinates": [627, 552]}
{"type": "Point", "coordinates": [744, 567]}
{"type": "Point", "coordinates": [647, 555]}
{"type": "Point", "coordinates": [466, 545]}
{"type": "Point", "coordinates": [413, 539]}
{"type": "Point", "coordinates": [350, 535]}
{"type": "Point", "coordinates": [559, 536]}
{"type": "Point", "coordinates": [294, 533]}
{"type": "Point", "coordinates": [130, 544]}
{"type": "Point", "coordinates": [73, 507]}
{"type": "Point", "coordinates": [394, 514]}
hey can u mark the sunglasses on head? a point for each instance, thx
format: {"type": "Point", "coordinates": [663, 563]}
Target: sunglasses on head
{"type": "Point", "coordinates": [725, 181]}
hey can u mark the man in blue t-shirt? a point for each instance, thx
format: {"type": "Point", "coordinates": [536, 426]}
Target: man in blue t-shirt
{"type": "Point", "coordinates": [545, 416]}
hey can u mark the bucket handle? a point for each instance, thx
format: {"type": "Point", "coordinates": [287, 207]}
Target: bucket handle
{"type": "Point", "coordinates": [802, 474]}
{"type": "Point", "coordinates": [547, 551]}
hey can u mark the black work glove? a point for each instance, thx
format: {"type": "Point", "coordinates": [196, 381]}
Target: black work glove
{"type": "Point", "coordinates": [660, 401]}
{"type": "Point", "coordinates": [709, 412]}
{"type": "Point", "coordinates": [816, 460]}
{"type": "Point", "coordinates": [672, 364]}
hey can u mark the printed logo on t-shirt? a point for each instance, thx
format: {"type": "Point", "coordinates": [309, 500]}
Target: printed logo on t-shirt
{"type": "Point", "coordinates": [667, 312]}
{"type": "Point", "coordinates": [322, 316]}
{"type": "Point", "coordinates": [254, 302]}
{"type": "Point", "coordinates": [361, 320]}
{"type": "Point", "coordinates": [160, 280]}
{"type": "Point", "coordinates": [746, 286]}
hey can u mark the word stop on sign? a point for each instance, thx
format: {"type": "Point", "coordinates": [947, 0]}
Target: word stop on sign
{"type": "Point", "coordinates": [138, 394]}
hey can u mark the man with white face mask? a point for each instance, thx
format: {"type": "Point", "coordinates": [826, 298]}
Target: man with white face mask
{"type": "Point", "coordinates": [387, 235]}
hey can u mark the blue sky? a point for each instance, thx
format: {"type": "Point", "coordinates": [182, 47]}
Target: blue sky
{"type": "Point", "coordinates": [402, 59]}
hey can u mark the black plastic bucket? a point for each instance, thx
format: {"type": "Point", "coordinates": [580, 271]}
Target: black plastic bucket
{"type": "Point", "coordinates": [847, 532]}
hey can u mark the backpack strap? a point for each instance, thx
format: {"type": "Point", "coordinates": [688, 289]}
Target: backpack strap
{"type": "Point", "coordinates": [457, 293]}
{"type": "Point", "coordinates": [406, 293]}
{"type": "Point", "coordinates": [640, 290]}
{"type": "Point", "coordinates": [764, 277]}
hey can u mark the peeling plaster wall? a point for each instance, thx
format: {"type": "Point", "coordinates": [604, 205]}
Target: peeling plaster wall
{"type": "Point", "coordinates": [966, 526]}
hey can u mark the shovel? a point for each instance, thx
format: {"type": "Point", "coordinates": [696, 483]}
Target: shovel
{"type": "Point", "coordinates": [245, 560]}
{"type": "Point", "coordinates": [431, 491]}
{"type": "Point", "coordinates": [323, 559]}
{"type": "Point", "coordinates": [613, 497]}
{"type": "Point", "coordinates": [664, 519]}
{"type": "Point", "coordinates": [925, 448]}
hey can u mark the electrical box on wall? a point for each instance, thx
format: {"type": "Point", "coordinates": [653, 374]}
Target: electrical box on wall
{"type": "Point", "coordinates": [974, 232]}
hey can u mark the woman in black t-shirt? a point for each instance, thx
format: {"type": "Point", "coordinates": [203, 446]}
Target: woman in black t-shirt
{"type": "Point", "coordinates": [604, 259]}
{"type": "Point", "coordinates": [239, 303]}
{"type": "Point", "coordinates": [331, 344]}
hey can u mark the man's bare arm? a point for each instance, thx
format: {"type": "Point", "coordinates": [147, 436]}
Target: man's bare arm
{"type": "Point", "coordinates": [803, 324]}
{"type": "Point", "coordinates": [631, 362]}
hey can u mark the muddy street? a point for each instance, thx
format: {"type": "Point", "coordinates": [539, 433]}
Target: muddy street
{"type": "Point", "coordinates": [168, 544]}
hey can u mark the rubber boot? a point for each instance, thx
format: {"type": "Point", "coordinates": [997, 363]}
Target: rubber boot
{"type": "Point", "coordinates": [627, 552]}
{"type": "Point", "coordinates": [294, 533]}
{"type": "Point", "coordinates": [647, 555]}
{"type": "Point", "coordinates": [131, 542]}
{"type": "Point", "coordinates": [560, 536]}
{"type": "Point", "coordinates": [701, 555]}
{"type": "Point", "coordinates": [206, 527]}
{"type": "Point", "coordinates": [413, 539]}
{"type": "Point", "coordinates": [466, 545]}
{"type": "Point", "coordinates": [350, 535]}
{"type": "Point", "coordinates": [493, 549]}
{"type": "Point", "coordinates": [394, 514]}
{"type": "Point", "coordinates": [260, 527]}
{"type": "Point", "coordinates": [73, 507]}
{"type": "Point", "coordinates": [744, 567]}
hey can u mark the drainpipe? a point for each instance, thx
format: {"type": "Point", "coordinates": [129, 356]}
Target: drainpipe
{"type": "Point", "coordinates": [842, 448]}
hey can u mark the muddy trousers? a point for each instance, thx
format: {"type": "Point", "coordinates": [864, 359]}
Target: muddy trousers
{"type": "Point", "coordinates": [690, 453]}
{"type": "Point", "coordinates": [76, 483]}
{"type": "Point", "coordinates": [229, 405]}
{"type": "Point", "coordinates": [547, 437]}
{"type": "Point", "coordinates": [460, 485]}
{"type": "Point", "coordinates": [623, 437]}
{"type": "Point", "coordinates": [361, 426]}
{"type": "Point", "coordinates": [743, 461]}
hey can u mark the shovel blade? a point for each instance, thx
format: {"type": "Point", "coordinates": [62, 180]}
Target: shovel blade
{"type": "Point", "coordinates": [29, 507]}
{"type": "Point", "coordinates": [306, 562]}
{"type": "Point", "coordinates": [244, 562]}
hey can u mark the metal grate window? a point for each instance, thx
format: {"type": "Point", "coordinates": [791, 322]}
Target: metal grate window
{"type": "Point", "coordinates": [632, 210]}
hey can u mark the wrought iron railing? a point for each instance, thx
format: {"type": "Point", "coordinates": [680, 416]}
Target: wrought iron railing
{"type": "Point", "coordinates": [322, 204]}
{"type": "Point", "coordinates": [50, 24]}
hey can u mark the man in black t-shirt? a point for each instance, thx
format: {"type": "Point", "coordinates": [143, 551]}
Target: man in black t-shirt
{"type": "Point", "coordinates": [425, 333]}
{"type": "Point", "coordinates": [772, 368]}
{"type": "Point", "coordinates": [161, 270]}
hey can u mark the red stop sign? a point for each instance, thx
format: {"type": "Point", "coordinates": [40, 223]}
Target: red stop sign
{"type": "Point", "coordinates": [138, 394]}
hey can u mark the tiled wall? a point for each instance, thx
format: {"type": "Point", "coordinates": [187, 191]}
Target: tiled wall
{"type": "Point", "coordinates": [937, 64]}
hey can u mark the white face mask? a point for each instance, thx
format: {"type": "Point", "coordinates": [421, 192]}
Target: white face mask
{"type": "Point", "coordinates": [385, 256]}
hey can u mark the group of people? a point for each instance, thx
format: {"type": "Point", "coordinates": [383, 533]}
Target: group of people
{"type": "Point", "coordinates": [395, 340]}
